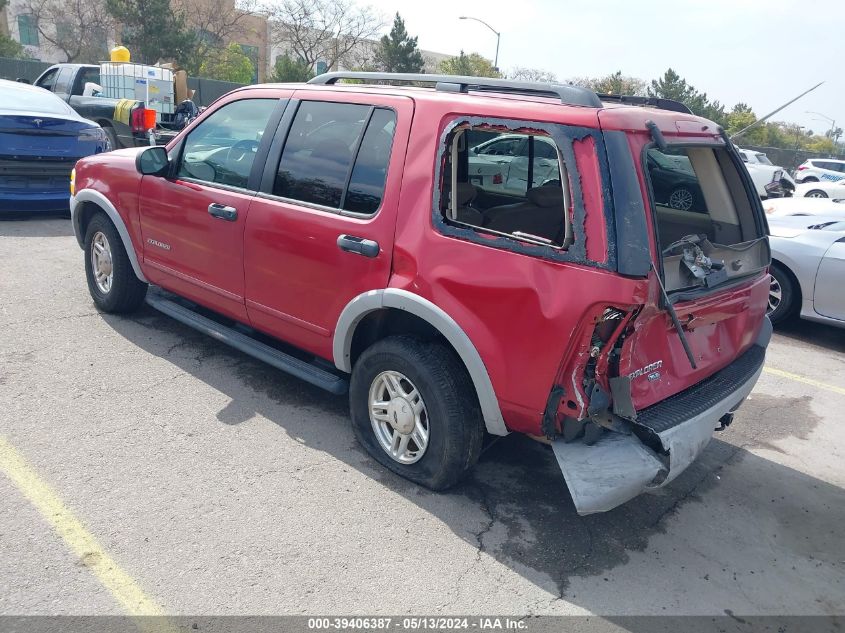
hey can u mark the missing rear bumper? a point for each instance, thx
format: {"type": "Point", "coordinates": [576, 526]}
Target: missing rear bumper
{"type": "Point", "coordinates": [619, 467]}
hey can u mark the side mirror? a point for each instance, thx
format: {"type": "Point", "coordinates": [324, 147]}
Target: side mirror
{"type": "Point", "coordinates": [152, 161]}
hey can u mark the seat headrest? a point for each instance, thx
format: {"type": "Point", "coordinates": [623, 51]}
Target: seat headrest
{"type": "Point", "coordinates": [548, 195]}
{"type": "Point", "coordinates": [465, 193]}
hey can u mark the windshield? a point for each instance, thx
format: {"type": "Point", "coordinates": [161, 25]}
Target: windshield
{"type": "Point", "coordinates": [31, 100]}
{"type": "Point", "coordinates": [762, 158]}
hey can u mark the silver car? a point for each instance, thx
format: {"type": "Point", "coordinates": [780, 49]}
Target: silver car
{"type": "Point", "coordinates": [808, 267]}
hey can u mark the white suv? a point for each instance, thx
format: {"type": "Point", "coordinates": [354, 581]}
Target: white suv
{"type": "Point", "coordinates": [816, 170]}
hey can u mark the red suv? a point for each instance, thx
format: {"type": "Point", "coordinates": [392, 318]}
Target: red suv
{"type": "Point", "coordinates": [476, 255]}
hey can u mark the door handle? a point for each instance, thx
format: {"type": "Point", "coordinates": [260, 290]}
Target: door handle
{"type": "Point", "coordinates": [230, 214]}
{"type": "Point", "coordinates": [352, 244]}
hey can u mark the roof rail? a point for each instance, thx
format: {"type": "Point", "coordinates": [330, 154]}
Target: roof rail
{"type": "Point", "coordinates": [570, 95]}
{"type": "Point", "coordinates": [654, 102]}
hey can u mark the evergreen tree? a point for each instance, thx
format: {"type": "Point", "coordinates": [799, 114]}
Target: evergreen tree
{"type": "Point", "coordinates": [152, 30]}
{"type": "Point", "coordinates": [398, 52]}
{"type": "Point", "coordinates": [672, 86]}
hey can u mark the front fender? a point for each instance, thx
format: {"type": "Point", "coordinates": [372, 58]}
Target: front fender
{"type": "Point", "coordinates": [95, 197]}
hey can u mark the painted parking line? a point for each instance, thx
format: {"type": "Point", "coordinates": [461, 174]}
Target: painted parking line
{"type": "Point", "coordinates": [806, 381]}
{"type": "Point", "coordinates": [80, 541]}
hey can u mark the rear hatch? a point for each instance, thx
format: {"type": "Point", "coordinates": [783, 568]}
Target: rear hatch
{"type": "Point", "coordinates": [710, 262]}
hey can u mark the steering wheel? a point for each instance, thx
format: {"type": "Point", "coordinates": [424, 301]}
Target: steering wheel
{"type": "Point", "coordinates": [238, 153]}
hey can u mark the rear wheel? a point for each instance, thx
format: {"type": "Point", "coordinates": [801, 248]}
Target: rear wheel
{"type": "Point", "coordinates": [815, 193]}
{"type": "Point", "coordinates": [782, 295]}
{"type": "Point", "coordinates": [111, 279]}
{"type": "Point", "coordinates": [414, 409]}
{"type": "Point", "coordinates": [112, 136]}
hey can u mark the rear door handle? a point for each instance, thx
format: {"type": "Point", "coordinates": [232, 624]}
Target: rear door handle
{"type": "Point", "coordinates": [353, 244]}
{"type": "Point", "coordinates": [223, 212]}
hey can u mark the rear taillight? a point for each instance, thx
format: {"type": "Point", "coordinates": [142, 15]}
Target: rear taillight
{"type": "Point", "coordinates": [801, 167]}
{"type": "Point", "coordinates": [142, 119]}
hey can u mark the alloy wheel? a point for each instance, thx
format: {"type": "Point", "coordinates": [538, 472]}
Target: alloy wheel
{"type": "Point", "coordinates": [399, 417]}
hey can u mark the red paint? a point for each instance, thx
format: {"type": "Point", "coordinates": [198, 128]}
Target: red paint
{"type": "Point", "coordinates": [279, 269]}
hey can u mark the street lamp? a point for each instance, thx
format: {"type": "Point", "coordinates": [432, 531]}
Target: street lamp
{"type": "Point", "coordinates": [498, 37]}
{"type": "Point", "coordinates": [824, 116]}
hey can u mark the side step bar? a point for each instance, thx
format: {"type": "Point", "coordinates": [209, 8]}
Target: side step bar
{"type": "Point", "coordinates": [287, 363]}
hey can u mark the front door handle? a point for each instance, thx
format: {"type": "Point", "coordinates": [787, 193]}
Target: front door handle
{"type": "Point", "coordinates": [352, 244]}
{"type": "Point", "coordinates": [230, 214]}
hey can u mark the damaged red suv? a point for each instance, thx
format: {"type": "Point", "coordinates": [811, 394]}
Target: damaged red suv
{"type": "Point", "coordinates": [478, 255]}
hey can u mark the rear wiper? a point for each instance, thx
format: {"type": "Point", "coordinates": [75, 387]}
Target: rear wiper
{"type": "Point", "coordinates": [675, 321]}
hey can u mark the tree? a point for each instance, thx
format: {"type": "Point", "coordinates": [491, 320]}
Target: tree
{"type": "Point", "coordinates": [398, 52]}
{"type": "Point", "coordinates": [78, 29]}
{"type": "Point", "coordinates": [473, 65]}
{"type": "Point", "coordinates": [327, 31]}
{"type": "Point", "coordinates": [532, 74]}
{"type": "Point", "coordinates": [289, 69]}
{"type": "Point", "coordinates": [213, 23]}
{"type": "Point", "coordinates": [10, 48]}
{"type": "Point", "coordinates": [613, 84]}
{"type": "Point", "coordinates": [672, 86]}
{"type": "Point", "coordinates": [152, 29]}
{"type": "Point", "coordinates": [230, 64]}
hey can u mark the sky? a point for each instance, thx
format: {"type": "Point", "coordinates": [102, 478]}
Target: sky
{"type": "Point", "coordinates": [761, 52]}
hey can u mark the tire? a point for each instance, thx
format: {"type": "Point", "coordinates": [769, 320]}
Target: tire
{"type": "Point", "coordinates": [681, 199]}
{"type": "Point", "coordinates": [450, 409]}
{"type": "Point", "coordinates": [815, 193]}
{"type": "Point", "coordinates": [123, 291]}
{"type": "Point", "coordinates": [784, 308]}
{"type": "Point", "coordinates": [110, 133]}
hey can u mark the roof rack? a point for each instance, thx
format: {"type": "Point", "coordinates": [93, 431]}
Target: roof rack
{"type": "Point", "coordinates": [654, 102]}
{"type": "Point", "coordinates": [570, 95]}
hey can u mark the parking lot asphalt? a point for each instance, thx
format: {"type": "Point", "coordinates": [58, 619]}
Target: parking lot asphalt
{"type": "Point", "coordinates": [217, 485]}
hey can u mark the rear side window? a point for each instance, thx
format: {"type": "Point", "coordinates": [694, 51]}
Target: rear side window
{"type": "Point", "coordinates": [507, 184]}
{"type": "Point", "coordinates": [336, 155]}
{"type": "Point", "coordinates": [63, 81]}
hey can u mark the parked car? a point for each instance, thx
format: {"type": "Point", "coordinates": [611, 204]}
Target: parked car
{"type": "Point", "coordinates": [808, 266]}
{"type": "Point", "coordinates": [674, 182]}
{"type": "Point", "coordinates": [41, 138]}
{"type": "Point", "coordinates": [821, 189]}
{"type": "Point", "coordinates": [501, 163]}
{"type": "Point", "coordinates": [801, 206]}
{"type": "Point", "coordinates": [126, 124]}
{"type": "Point", "coordinates": [819, 170]}
{"type": "Point", "coordinates": [763, 172]}
{"type": "Point", "coordinates": [583, 310]}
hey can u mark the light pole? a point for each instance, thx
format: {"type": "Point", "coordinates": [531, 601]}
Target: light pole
{"type": "Point", "coordinates": [498, 37]}
{"type": "Point", "coordinates": [824, 116]}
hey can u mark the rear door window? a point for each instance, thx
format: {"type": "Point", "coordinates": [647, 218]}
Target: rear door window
{"type": "Point", "coordinates": [63, 81]}
{"type": "Point", "coordinates": [336, 156]}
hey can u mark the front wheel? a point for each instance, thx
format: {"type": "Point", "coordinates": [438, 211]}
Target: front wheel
{"type": "Point", "coordinates": [111, 279]}
{"type": "Point", "coordinates": [414, 409]}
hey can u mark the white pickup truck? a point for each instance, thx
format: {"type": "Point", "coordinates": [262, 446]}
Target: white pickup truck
{"type": "Point", "coordinates": [770, 180]}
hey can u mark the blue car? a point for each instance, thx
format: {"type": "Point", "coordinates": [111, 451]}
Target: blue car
{"type": "Point", "coordinates": [41, 138]}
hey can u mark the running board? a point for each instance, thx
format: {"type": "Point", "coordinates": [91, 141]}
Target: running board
{"type": "Point", "coordinates": [287, 363]}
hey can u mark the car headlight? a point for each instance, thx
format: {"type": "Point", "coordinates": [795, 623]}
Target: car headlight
{"type": "Point", "coordinates": [93, 134]}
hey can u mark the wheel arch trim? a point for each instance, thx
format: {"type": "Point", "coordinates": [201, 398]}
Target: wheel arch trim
{"type": "Point", "coordinates": [399, 299]}
{"type": "Point", "coordinates": [98, 199]}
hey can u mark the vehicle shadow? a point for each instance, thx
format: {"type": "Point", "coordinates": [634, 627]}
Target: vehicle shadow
{"type": "Point", "coordinates": [814, 334]}
{"type": "Point", "coordinates": [530, 522]}
{"type": "Point", "coordinates": [35, 225]}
